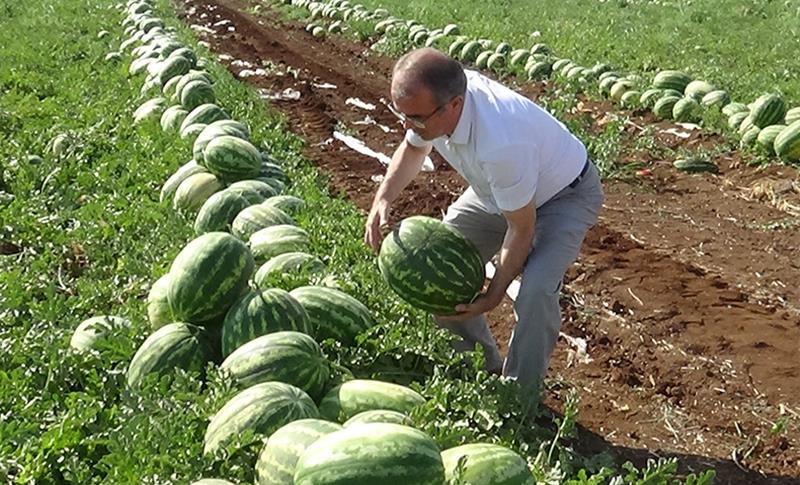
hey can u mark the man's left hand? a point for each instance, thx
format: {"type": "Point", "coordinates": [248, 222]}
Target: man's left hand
{"type": "Point", "coordinates": [482, 304]}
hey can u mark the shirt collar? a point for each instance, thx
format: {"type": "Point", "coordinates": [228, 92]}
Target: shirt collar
{"type": "Point", "coordinates": [463, 128]}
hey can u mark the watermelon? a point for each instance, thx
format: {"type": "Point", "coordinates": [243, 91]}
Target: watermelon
{"type": "Point", "coordinates": [431, 265]}
{"type": "Point", "coordinates": [263, 189]}
{"type": "Point", "coordinates": [697, 89]}
{"type": "Point", "coordinates": [749, 137]}
{"type": "Point", "coordinates": [278, 239]}
{"type": "Point", "coordinates": [175, 95]}
{"type": "Point", "coordinates": [450, 29]}
{"type": "Point", "coordinates": [193, 192]}
{"type": "Point", "coordinates": [286, 356]}
{"type": "Point", "coordinates": [733, 108]}
{"type": "Point", "coordinates": [695, 165]}
{"type": "Point", "coordinates": [379, 416]}
{"type": "Point", "coordinates": [371, 453]}
{"type": "Point", "coordinates": [664, 106]}
{"type": "Point", "coordinates": [792, 115]}
{"type": "Point", "coordinates": [95, 332]}
{"type": "Point", "coordinates": [766, 137]}
{"type": "Point", "coordinates": [189, 133]}
{"type": "Point", "coordinates": [519, 57]}
{"type": "Point", "coordinates": [333, 313]}
{"type": "Point", "coordinates": [352, 397]}
{"type": "Point", "coordinates": [149, 109]}
{"type": "Point", "coordinates": [539, 70]}
{"type": "Point", "coordinates": [287, 203]}
{"type": "Point", "coordinates": [173, 346]}
{"type": "Point", "coordinates": [196, 93]}
{"type": "Point", "coordinates": [172, 118]}
{"type": "Point", "coordinates": [257, 217]}
{"type": "Point", "coordinates": [736, 119]}
{"type": "Point", "coordinates": [496, 62]}
{"type": "Point", "coordinates": [485, 464]}
{"type": "Point", "coordinates": [717, 97]}
{"type": "Point", "coordinates": [504, 48]}
{"type": "Point", "coordinates": [482, 59]}
{"type": "Point", "coordinates": [186, 53]}
{"type": "Point", "coordinates": [218, 212]}
{"type": "Point", "coordinates": [619, 88]}
{"type": "Point", "coordinates": [185, 171]}
{"type": "Point", "coordinates": [289, 271]}
{"type": "Point", "coordinates": [768, 109]}
{"type": "Point", "coordinates": [686, 110]}
{"type": "Point", "coordinates": [231, 158]}
{"type": "Point", "coordinates": [204, 114]}
{"type": "Point", "coordinates": [171, 67]}
{"type": "Point", "coordinates": [456, 46]}
{"type": "Point", "coordinates": [215, 129]}
{"type": "Point", "coordinates": [207, 276]}
{"type": "Point", "coordinates": [271, 168]}
{"type": "Point", "coordinates": [278, 459]}
{"type": "Point", "coordinates": [158, 311]}
{"type": "Point", "coordinates": [787, 143]}
{"type": "Point", "coordinates": [676, 80]}
{"type": "Point", "coordinates": [261, 312]}
{"type": "Point", "coordinates": [630, 99]}
{"type": "Point", "coordinates": [263, 409]}
{"type": "Point", "coordinates": [606, 84]}
{"type": "Point", "coordinates": [470, 51]}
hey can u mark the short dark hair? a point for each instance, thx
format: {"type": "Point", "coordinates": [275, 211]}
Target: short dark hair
{"type": "Point", "coordinates": [442, 75]}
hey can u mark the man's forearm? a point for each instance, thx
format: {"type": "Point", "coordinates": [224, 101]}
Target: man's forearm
{"type": "Point", "coordinates": [516, 247]}
{"type": "Point", "coordinates": [406, 163]}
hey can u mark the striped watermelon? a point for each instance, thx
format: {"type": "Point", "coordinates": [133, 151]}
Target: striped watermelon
{"type": "Point", "coordinates": [193, 192]}
{"type": "Point", "coordinates": [431, 265]}
{"type": "Point", "coordinates": [197, 93]}
{"type": "Point", "coordinates": [94, 332]}
{"type": "Point", "coordinates": [185, 171]}
{"type": "Point", "coordinates": [289, 271]}
{"type": "Point", "coordinates": [732, 108]}
{"type": "Point", "coordinates": [333, 313]}
{"type": "Point", "coordinates": [204, 114]}
{"type": "Point", "coordinates": [630, 99]}
{"type": "Point", "coordinates": [676, 80]}
{"type": "Point", "coordinates": [749, 136]}
{"type": "Point", "coordinates": [149, 109]}
{"type": "Point", "coordinates": [496, 62]}
{"type": "Point", "coordinates": [718, 98]}
{"type": "Point", "coordinates": [274, 240]}
{"type": "Point", "coordinates": [787, 143]}
{"type": "Point", "coordinates": [271, 168]}
{"type": "Point", "coordinates": [379, 416]}
{"type": "Point", "coordinates": [232, 158]}
{"type": "Point", "coordinates": [256, 217]}
{"type": "Point", "coordinates": [278, 459]}
{"type": "Point", "coordinates": [287, 203]}
{"type": "Point", "coordinates": [171, 67]}
{"type": "Point", "coordinates": [213, 130]}
{"type": "Point", "coordinates": [172, 118]}
{"type": "Point", "coordinates": [768, 109]}
{"type": "Point", "coordinates": [539, 70]}
{"type": "Point", "coordinates": [791, 116]}
{"type": "Point", "coordinates": [352, 397]}
{"type": "Point", "coordinates": [485, 464]}
{"type": "Point", "coordinates": [371, 453]}
{"type": "Point", "coordinates": [219, 211]}
{"type": "Point", "coordinates": [290, 357]}
{"type": "Point", "coordinates": [158, 311]}
{"type": "Point", "coordinates": [173, 346]}
{"type": "Point", "coordinates": [766, 137]}
{"type": "Point", "coordinates": [736, 119]}
{"type": "Point", "coordinates": [189, 133]}
{"type": "Point", "coordinates": [697, 89]}
{"type": "Point", "coordinates": [262, 409]}
{"type": "Point", "coordinates": [470, 51]}
{"type": "Point", "coordinates": [686, 110]}
{"type": "Point", "coordinates": [664, 106]}
{"type": "Point", "coordinates": [175, 96]}
{"type": "Point", "coordinates": [261, 312]}
{"type": "Point", "coordinates": [261, 188]}
{"type": "Point", "coordinates": [606, 84]}
{"type": "Point", "coordinates": [207, 276]}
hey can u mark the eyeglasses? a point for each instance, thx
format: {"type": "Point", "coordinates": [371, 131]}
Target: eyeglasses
{"type": "Point", "coordinates": [416, 121]}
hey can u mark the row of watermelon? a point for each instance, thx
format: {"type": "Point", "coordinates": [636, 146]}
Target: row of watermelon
{"type": "Point", "coordinates": [205, 310]}
{"type": "Point", "coordinates": [672, 95]}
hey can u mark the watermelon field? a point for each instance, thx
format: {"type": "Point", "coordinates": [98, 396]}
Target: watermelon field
{"type": "Point", "coordinates": [186, 297]}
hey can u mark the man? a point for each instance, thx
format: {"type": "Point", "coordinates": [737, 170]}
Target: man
{"type": "Point", "coordinates": [533, 195]}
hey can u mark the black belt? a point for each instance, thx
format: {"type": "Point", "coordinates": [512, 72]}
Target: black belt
{"type": "Point", "coordinates": [579, 177]}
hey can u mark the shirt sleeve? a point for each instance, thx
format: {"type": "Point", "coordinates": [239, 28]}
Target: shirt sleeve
{"type": "Point", "coordinates": [416, 140]}
{"type": "Point", "coordinates": [513, 175]}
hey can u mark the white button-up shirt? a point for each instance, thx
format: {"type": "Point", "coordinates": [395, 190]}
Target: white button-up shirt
{"type": "Point", "coordinates": [509, 149]}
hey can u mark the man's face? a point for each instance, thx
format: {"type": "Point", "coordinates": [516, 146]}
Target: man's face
{"type": "Point", "coordinates": [421, 114]}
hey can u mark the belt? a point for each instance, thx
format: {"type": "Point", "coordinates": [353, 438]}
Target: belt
{"type": "Point", "coordinates": [577, 180]}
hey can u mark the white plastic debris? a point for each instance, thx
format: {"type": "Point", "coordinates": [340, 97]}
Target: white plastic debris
{"type": "Point", "coordinates": [287, 94]}
{"type": "Point", "coordinates": [368, 120]}
{"type": "Point", "coordinates": [251, 72]}
{"type": "Point", "coordinates": [679, 134]}
{"type": "Point", "coordinates": [201, 29]}
{"type": "Point", "coordinates": [360, 104]}
{"type": "Point", "coordinates": [221, 23]}
{"type": "Point", "coordinates": [241, 63]}
{"type": "Point", "coordinates": [224, 57]}
{"type": "Point", "coordinates": [363, 149]}
{"type": "Point", "coordinates": [324, 85]}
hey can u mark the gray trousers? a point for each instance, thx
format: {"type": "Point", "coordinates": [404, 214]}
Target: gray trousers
{"type": "Point", "coordinates": [561, 225]}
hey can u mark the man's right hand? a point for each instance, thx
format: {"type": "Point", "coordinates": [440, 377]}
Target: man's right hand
{"type": "Point", "coordinates": [377, 220]}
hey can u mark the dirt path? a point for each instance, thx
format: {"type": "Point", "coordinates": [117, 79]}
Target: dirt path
{"type": "Point", "coordinates": [686, 291]}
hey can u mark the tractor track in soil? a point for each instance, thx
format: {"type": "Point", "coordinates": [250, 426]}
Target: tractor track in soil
{"type": "Point", "coordinates": [686, 295]}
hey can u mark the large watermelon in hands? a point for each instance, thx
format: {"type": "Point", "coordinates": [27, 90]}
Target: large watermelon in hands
{"type": "Point", "coordinates": [431, 265]}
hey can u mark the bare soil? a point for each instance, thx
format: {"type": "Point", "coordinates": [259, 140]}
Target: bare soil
{"type": "Point", "coordinates": [686, 290]}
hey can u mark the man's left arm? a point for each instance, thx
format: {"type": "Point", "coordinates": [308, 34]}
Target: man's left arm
{"type": "Point", "coordinates": [513, 253]}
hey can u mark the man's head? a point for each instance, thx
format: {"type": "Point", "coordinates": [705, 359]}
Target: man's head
{"type": "Point", "coordinates": [428, 88]}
